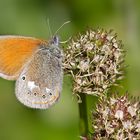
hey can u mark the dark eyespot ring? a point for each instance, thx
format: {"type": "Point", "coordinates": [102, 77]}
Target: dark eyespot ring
{"type": "Point", "coordinates": [35, 94]}
{"type": "Point", "coordinates": [23, 78]}
{"type": "Point", "coordinates": [50, 93]}
{"type": "Point", "coordinates": [43, 96]}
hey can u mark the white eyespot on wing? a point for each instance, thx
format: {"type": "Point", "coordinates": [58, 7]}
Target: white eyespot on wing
{"type": "Point", "coordinates": [31, 85]}
{"type": "Point", "coordinates": [48, 90]}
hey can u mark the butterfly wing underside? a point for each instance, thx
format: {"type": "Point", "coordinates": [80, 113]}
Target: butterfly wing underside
{"type": "Point", "coordinates": [39, 85]}
{"type": "Point", "coordinates": [15, 52]}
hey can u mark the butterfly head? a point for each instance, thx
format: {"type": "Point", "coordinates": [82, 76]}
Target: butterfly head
{"type": "Point", "coordinates": [54, 41]}
{"type": "Point", "coordinates": [54, 47]}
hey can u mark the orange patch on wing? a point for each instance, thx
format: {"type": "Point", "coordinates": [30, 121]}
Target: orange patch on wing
{"type": "Point", "coordinates": [14, 53]}
{"type": "Point", "coordinates": [50, 101]}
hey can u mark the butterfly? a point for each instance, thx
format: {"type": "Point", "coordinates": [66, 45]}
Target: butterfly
{"type": "Point", "coordinates": [36, 65]}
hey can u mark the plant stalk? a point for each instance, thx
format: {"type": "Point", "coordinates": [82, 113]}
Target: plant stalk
{"type": "Point", "coordinates": [83, 124]}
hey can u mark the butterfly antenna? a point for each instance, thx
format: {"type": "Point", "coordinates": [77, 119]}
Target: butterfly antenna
{"type": "Point", "coordinates": [49, 27]}
{"type": "Point", "coordinates": [61, 27]}
{"type": "Point", "coordinates": [63, 42]}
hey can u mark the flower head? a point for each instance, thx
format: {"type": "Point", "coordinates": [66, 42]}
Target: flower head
{"type": "Point", "coordinates": [95, 61]}
{"type": "Point", "coordinates": [116, 118]}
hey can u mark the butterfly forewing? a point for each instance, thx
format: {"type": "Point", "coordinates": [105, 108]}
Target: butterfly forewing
{"type": "Point", "coordinates": [15, 52]}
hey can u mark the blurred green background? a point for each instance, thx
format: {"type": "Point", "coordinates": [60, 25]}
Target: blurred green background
{"type": "Point", "coordinates": [28, 18]}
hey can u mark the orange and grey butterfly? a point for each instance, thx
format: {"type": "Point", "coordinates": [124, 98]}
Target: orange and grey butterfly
{"type": "Point", "coordinates": [36, 65]}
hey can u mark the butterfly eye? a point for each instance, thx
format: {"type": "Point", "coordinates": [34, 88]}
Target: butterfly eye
{"type": "Point", "coordinates": [23, 78]}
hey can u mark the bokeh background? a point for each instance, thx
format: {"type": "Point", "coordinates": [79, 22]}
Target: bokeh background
{"type": "Point", "coordinates": [28, 18]}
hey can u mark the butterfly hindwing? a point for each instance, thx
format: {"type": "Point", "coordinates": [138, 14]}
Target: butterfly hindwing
{"type": "Point", "coordinates": [39, 85]}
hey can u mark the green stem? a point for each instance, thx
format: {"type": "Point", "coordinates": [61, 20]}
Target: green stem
{"type": "Point", "coordinates": [83, 116]}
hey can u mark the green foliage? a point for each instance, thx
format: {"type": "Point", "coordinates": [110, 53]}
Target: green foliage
{"type": "Point", "coordinates": [28, 17]}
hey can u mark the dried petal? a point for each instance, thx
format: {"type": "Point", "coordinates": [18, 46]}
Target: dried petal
{"type": "Point", "coordinates": [119, 114]}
